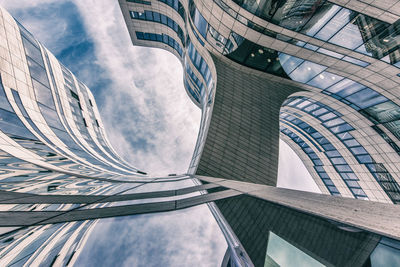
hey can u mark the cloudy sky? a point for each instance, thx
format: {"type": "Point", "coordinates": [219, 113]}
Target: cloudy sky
{"type": "Point", "coordinates": [149, 118]}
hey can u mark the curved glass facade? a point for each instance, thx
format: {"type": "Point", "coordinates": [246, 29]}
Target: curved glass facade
{"type": "Point", "coordinates": [325, 30]}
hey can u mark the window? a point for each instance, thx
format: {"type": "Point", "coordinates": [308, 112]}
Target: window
{"type": "Point", "coordinates": [344, 136]}
{"type": "Point", "coordinates": [38, 72]}
{"type": "Point", "coordinates": [318, 112]}
{"type": "Point", "coordinates": [332, 153]}
{"type": "Point", "coordinates": [348, 37]}
{"type": "Point", "coordinates": [349, 176]}
{"type": "Point", "coordinates": [74, 95]}
{"type": "Point", "coordinates": [317, 22]}
{"type": "Point", "coordinates": [358, 150]}
{"type": "Point", "coordinates": [334, 25]}
{"type": "Point", "coordinates": [363, 159]}
{"type": "Point", "coordinates": [140, 2]}
{"type": "Point", "coordinates": [324, 80]}
{"type": "Point", "coordinates": [327, 116]}
{"type": "Point", "coordinates": [311, 108]}
{"type": "Point", "coordinates": [384, 112]}
{"type": "Point", "coordinates": [366, 98]}
{"type": "Point", "coordinates": [306, 71]}
{"type": "Point", "coordinates": [289, 63]}
{"type": "Point", "coordinates": [343, 168]}
{"type": "Point", "coordinates": [330, 53]}
{"type": "Point", "coordinates": [345, 87]}
{"type": "Point", "coordinates": [333, 122]}
{"type": "Point", "coordinates": [32, 51]}
{"type": "Point", "coordinates": [328, 147]}
{"type": "Point", "coordinates": [199, 21]}
{"type": "Point", "coordinates": [351, 143]}
{"type": "Point", "coordinates": [355, 61]}
{"type": "Point", "coordinates": [341, 128]}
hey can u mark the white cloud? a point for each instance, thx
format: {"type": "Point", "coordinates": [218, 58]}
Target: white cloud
{"type": "Point", "coordinates": [178, 238]}
{"type": "Point", "coordinates": [147, 84]}
{"type": "Point", "coordinates": [48, 35]}
{"type": "Point", "coordinates": [9, 5]}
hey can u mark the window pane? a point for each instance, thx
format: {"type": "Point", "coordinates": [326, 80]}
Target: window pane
{"type": "Point", "coordinates": [289, 63]}
{"type": "Point", "coordinates": [338, 160]}
{"type": "Point", "coordinates": [341, 128]}
{"type": "Point", "coordinates": [324, 80]}
{"type": "Point", "coordinates": [358, 150]}
{"type": "Point", "coordinates": [334, 25]}
{"type": "Point", "coordinates": [366, 98]}
{"type": "Point", "coordinates": [348, 37]}
{"type": "Point", "coordinates": [303, 104]}
{"type": "Point", "coordinates": [343, 168]}
{"type": "Point", "coordinates": [333, 153]}
{"type": "Point", "coordinates": [345, 87]}
{"type": "Point", "coordinates": [333, 122]}
{"type": "Point", "coordinates": [306, 71]}
{"type": "Point", "coordinates": [365, 159]}
{"type": "Point", "coordinates": [200, 23]}
{"type": "Point", "coordinates": [355, 61]}
{"type": "Point", "coordinates": [317, 22]}
{"type": "Point", "coordinates": [38, 72]}
{"type": "Point", "coordinates": [384, 112]}
{"type": "Point", "coordinates": [311, 107]}
{"type": "Point", "coordinates": [318, 112]}
{"type": "Point", "coordinates": [351, 143]}
{"type": "Point", "coordinates": [327, 116]}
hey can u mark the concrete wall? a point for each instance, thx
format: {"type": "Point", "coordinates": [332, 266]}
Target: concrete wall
{"type": "Point", "coordinates": [243, 136]}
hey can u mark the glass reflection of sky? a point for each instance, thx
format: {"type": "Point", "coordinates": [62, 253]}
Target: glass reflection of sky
{"type": "Point", "coordinates": [178, 238]}
{"type": "Point", "coordinates": [387, 253]}
{"type": "Point", "coordinates": [285, 254]}
{"type": "Point", "coordinates": [331, 23]}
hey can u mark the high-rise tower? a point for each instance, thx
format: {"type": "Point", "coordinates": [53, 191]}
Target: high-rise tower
{"type": "Point", "coordinates": [325, 75]}
{"type": "Point", "coordinates": [67, 198]}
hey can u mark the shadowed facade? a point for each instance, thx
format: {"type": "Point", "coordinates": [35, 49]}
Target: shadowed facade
{"type": "Point", "coordinates": [243, 137]}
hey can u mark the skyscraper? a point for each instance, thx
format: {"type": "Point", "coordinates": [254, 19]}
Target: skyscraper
{"type": "Point", "coordinates": [329, 71]}
{"type": "Point", "coordinates": [319, 75]}
{"type": "Point", "coordinates": [63, 187]}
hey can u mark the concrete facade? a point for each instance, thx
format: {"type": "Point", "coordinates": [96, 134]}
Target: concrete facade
{"type": "Point", "coordinates": [242, 139]}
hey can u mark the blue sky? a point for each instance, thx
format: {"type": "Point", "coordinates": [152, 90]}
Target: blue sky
{"type": "Point", "coordinates": [149, 118]}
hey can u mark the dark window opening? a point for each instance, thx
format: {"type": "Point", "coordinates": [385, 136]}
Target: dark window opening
{"type": "Point", "coordinates": [74, 95]}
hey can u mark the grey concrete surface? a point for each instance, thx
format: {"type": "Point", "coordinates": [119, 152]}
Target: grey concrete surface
{"type": "Point", "coordinates": [375, 217]}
